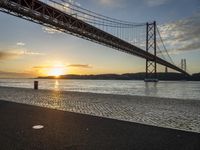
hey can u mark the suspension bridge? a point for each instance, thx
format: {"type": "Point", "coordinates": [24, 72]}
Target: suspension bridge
{"type": "Point", "coordinates": [140, 39]}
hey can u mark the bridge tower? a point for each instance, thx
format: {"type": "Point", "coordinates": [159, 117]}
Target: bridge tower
{"type": "Point", "coordinates": [151, 65]}
{"type": "Point", "coordinates": [183, 64]}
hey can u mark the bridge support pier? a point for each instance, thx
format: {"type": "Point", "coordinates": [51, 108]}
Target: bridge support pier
{"type": "Point", "coordinates": [166, 70]}
{"type": "Point", "coordinates": [151, 65]}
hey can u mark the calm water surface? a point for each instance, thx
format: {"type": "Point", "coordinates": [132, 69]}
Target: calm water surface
{"type": "Point", "coordinates": [171, 89]}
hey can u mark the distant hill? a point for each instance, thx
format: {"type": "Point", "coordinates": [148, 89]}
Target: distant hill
{"type": "Point", "coordinates": [128, 76]}
{"type": "Point", "coordinates": [196, 77]}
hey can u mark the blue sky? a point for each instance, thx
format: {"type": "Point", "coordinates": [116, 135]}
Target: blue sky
{"type": "Point", "coordinates": [24, 45]}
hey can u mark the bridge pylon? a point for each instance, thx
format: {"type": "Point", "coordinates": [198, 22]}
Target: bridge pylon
{"type": "Point", "coordinates": [151, 65]}
{"type": "Point", "coordinates": [183, 64]}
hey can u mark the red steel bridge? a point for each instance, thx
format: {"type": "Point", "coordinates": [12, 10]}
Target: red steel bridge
{"type": "Point", "coordinates": [140, 39]}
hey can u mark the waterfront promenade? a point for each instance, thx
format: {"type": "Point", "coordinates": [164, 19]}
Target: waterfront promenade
{"type": "Point", "coordinates": [162, 112]}
{"type": "Point", "coordinates": [71, 131]}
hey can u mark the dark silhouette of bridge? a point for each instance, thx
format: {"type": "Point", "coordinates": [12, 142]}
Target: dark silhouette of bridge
{"type": "Point", "coordinates": [67, 19]}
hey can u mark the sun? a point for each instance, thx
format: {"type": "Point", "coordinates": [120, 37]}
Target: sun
{"type": "Point", "coordinates": [57, 70]}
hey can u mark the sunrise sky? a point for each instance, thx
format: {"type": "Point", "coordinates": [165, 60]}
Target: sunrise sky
{"type": "Point", "coordinates": [30, 50]}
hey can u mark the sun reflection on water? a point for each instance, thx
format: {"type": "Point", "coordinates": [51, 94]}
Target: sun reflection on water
{"type": "Point", "coordinates": [56, 85]}
{"type": "Point", "coordinates": [55, 101]}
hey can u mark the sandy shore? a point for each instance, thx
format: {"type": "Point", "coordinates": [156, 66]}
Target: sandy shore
{"type": "Point", "coordinates": [161, 112]}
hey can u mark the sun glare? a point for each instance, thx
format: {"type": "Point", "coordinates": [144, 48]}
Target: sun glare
{"type": "Point", "coordinates": [57, 70]}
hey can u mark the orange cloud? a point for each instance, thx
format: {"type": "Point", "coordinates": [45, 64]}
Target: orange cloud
{"type": "Point", "coordinates": [4, 74]}
{"type": "Point", "coordinates": [8, 55]}
{"type": "Point", "coordinates": [80, 66]}
{"type": "Point", "coordinates": [66, 66]}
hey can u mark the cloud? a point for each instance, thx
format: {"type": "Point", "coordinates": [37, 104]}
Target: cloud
{"type": "Point", "coordinates": [182, 35]}
{"type": "Point", "coordinates": [80, 66]}
{"type": "Point", "coordinates": [47, 67]}
{"type": "Point", "coordinates": [4, 74]}
{"type": "Point", "coordinates": [107, 2]}
{"type": "Point", "coordinates": [112, 3]}
{"type": "Point", "coordinates": [29, 52]}
{"type": "Point", "coordinates": [152, 3]}
{"type": "Point", "coordinates": [63, 66]}
{"type": "Point", "coordinates": [74, 2]}
{"type": "Point", "coordinates": [20, 44]}
{"type": "Point", "coordinates": [50, 30]}
{"type": "Point", "coordinates": [8, 55]}
{"type": "Point", "coordinates": [66, 6]}
{"type": "Point", "coordinates": [5, 55]}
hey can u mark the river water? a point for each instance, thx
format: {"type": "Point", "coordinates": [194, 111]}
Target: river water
{"type": "Point", "coordinates": [169, 89]}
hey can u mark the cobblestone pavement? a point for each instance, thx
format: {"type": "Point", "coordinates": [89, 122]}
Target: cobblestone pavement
{"type": "Point", "coordinates": [170, 113]}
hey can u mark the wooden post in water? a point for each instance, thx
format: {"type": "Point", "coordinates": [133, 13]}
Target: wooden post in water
{"type": "Point", "coordinates": [35, 85]}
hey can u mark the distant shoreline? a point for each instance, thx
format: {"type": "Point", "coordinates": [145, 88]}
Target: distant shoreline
{"type": "Point", "coordinates": [128, 76]}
